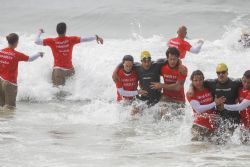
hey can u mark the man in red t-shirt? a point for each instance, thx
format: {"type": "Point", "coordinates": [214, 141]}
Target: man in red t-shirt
{"type": "Point", "coordinates": [9, 59]}
{"type": "Point", "coordinates": [243, 106]}
{"type": "Point", "coordinates": [182, 45]}
{"type": "Point", "coordinates": [62, 47]}
{"type": "Point", "coordinates": [173, 86]}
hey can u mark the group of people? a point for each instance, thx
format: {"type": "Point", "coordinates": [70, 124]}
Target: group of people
{"type": "Point", "coordinates": [63, 68]}
{"type": "Point", "coordinates": [219, 105]}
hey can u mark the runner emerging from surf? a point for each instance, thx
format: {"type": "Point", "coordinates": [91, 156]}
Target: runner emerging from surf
{"type": "Point", "coordinates": [148, 71]}
{"type": "Point", "coordinates": [62, 47]}
{"type": "Point", "coordinates": [227, 87]}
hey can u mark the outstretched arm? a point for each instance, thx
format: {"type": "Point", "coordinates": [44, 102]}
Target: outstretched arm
{"type": "Point", "coordinates": [38, 40]}
{"type": "Point", "coordinates": [196, 49]}
{"type": "Point", "coordinates": [238, 107]}
{"type": "Point", "coordinates": [35, 56]}
{"type": "Point", "coordinates": [98, 39]}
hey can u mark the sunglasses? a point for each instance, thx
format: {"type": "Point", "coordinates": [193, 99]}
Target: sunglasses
{"type": "Point", "coordinates": [146, 59]}
{"type": "Point", "coordinates": [221, 72]}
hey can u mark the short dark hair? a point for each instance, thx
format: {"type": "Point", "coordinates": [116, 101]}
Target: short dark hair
{"type": "Point", "coordinates": [196, 72]}
{"type": "Point", "coordinates": [12, 38]}
{"type": "Point", "coordinates": [247, 74]}
{"type": "Point", "coordinates": [61, 28]}
{"type": "Point", "coordinates": [173, 51]}
{"type": "Point", "coordinates": [127, 58]}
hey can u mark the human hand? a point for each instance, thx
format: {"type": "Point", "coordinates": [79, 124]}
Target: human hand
{"type": "Point", "coordinates": [190, 91]}
{"type": "Point", "coordinates": [200, 42]}
{"type": "Point", "coordinates": [41, 54]}
{"type": "Point", "coordinates": [115, 76]}
{"type": "Point", "coordinates": [182, 69]}
{"type": "Point", "coordinates": [220, 107]}
{"type": "Point", "coordinates": [156, 85]}
{"type": "Point", "coordinates": [41, 31]}
{"type": "Point", "coordinates": [142, 92]}
{"type": "Point", "coordinates": [99, 40]}
{"type": "Point", "coordinates": [219, 100]}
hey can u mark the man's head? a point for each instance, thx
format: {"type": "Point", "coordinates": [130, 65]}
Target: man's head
{"type": "Point", "coordinates": [182, 32]}
{"type": "Point", "coordinates": [146, 60]}
{"type": "Point", "coordinates": [12, 40]}
{"type": "Point", "coordinates": [222, 72]}
{"type": "Point", "coordinates": [173, 55]}
{"type": "Point", "coordinates": [246, 80]}
{"type": "Point", "coordinates": [128, 62]}
{"type": "Point", "coordinates": [61, 28]}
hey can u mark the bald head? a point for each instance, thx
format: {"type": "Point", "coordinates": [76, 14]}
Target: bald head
{"type": "Point", "coordinates": [182, 32]}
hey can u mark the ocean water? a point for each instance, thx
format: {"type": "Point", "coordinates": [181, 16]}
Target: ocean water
{"type": "Point", "coordinates": [87, 127]}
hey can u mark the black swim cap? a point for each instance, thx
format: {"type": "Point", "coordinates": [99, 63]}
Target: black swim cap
{"type": "Point", "coordinates": [128, 58]}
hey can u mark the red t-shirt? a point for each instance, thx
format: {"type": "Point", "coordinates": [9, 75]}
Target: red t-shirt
{"type": "Point", "coordinates": [62, 50]}
{"type": "Point", "coordinates": [181, 45]}
{"type": "Point", "coordinates": [9, 59]}
{"type": "Point", "coordinates": [128, 82]}
{"type": "Point", "coordinates": [171, 76]}
{"type": "Point", "coordinates": [207, 118]}
{"type": "Point", "coordinates": [245, 114]}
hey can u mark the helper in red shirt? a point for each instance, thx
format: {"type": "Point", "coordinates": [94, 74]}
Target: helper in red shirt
{"type": "Point", "coordinates": [182, 45]}
{"type": "Point", "coordinates": [173, 87]}
{"type": "Point", "coordinates": [205, 115]}
{"type": "Point", "coordinates": [62, 47]}
{"type": "Point", "coordinates": [9, 59]}
{"type": "Point", "coordinates": [243, 106]}
{"type": "Point", "coordinates": [128, 80]}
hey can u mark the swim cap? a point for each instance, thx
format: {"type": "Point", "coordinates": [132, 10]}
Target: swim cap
{"type": "Point", "coordinates": [221, 67]}
{"type": "Point", "coordinates": [145, 55]}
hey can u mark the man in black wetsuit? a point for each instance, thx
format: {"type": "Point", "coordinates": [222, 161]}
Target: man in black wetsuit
{"type": "Point", "coordinates": [227, 87]}
{"type": "Point", "coordinates": [148, 71]}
